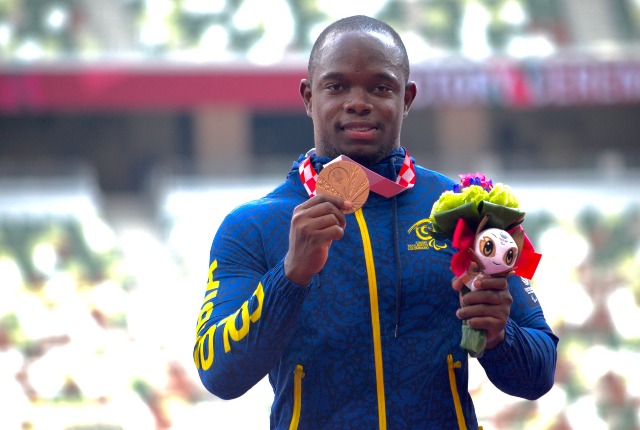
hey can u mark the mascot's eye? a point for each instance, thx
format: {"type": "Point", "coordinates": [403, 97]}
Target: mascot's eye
{"type": "Point", "coordinates": [487, 247]}
{"type": "Point", "coordinates": [510, 256]}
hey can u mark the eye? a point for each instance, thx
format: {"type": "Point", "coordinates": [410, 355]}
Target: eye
{"type": "Point", "coordinates": [487, 247]}
{"type": "Point", "coordinates": [510, 256]}
{"type": "Point", "coordinates": [335, 87]}
{"type": "Point", "coordinates": [383, 88]}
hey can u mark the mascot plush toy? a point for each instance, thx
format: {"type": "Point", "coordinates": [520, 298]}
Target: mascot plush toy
{"type": "Point", "coordinates": [483, 221]}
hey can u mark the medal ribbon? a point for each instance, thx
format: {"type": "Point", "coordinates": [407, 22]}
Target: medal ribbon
{"type": "Point", "coordinates": [377, 183]}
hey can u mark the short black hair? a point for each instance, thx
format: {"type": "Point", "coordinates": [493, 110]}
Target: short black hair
{"type": "Point", "coordinates": [358, 23]}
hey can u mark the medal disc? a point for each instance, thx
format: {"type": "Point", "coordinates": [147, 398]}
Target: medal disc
{"type": "Point", "coordinates": [344, 179]}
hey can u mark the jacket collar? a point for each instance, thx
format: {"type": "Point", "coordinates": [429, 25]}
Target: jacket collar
{"type": "Point", "coordinates": [387, 167]}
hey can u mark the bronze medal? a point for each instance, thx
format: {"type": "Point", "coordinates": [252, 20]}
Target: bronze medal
{"type": "Point", "coordinates": [344, 179]}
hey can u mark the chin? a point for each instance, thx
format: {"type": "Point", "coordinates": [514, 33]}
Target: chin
{"type": "Point", "coordinates": [362, 152]}
{"type": "Point", "coordinates": [368, 157]}
{"type": "Point", "coordinates": [364, 159]}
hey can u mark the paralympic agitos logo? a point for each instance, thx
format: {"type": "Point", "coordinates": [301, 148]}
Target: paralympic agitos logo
{"type": "Point", "coordinates": [423, 231]}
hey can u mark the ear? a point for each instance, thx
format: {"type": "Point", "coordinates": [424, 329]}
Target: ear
{"type": "Point", "coordinates": [482, 223]}
{"type": "Point", "coordinates": [410, 92]}
{"type": "Point", "coordinates": [305, 92]}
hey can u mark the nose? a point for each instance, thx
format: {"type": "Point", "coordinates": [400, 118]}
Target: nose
{"type": "Point", "coordinates": [358, 102]}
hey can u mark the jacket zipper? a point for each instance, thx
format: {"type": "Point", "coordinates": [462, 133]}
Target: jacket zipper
{"type": "Point", "coordinates": [298, 374]}
{"type": "Point", "coordinates": [375, 318]}
{"type": "Point", "coordinates": [454, 391]}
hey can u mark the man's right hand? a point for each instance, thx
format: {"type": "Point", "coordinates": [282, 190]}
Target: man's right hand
{"type": "Point", "coordinates": [315, 224]}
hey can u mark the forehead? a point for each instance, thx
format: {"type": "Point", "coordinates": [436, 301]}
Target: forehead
{"type": "Point", "coordinates": [346, 50]}
{"type": "Point", "coordinates": [499, 235]}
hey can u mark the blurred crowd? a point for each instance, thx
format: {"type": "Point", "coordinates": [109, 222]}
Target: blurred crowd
{"type": "Point", "coordinates": [82, 343]}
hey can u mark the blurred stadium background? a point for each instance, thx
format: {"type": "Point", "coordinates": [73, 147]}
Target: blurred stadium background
{"type": "Point", "coordinates": [129, 128]}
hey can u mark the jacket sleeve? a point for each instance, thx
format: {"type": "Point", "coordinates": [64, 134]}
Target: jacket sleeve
{"type": "Point", "coordinates": [249, 311]}
{"type": "Point", "coordinates": [524, 364]}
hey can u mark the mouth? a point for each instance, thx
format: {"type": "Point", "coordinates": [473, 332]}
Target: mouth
{"type": "Point", "coordinates": [360, 130]}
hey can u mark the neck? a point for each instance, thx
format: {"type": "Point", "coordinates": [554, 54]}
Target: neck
{"type": "Point", "coordinates": [364, 160]}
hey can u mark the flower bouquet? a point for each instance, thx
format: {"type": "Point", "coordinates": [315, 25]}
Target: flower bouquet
{"type": "Point", "coordinates": [483, 222]}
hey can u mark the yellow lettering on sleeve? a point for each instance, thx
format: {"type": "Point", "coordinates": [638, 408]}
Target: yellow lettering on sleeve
{"type": "Point", "coordinates": [198, 354]}
{"type": "Point", "coordinates": [205, 313]}
{"type": "Point", "coordinates": [231, 330]}
{"type": "Point", "coordinates": [203, 352]}
{"type": "Point", "coordinates": [259, 294]}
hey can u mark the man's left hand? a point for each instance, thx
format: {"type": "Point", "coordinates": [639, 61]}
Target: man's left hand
{"type": "Point", "coordinates": [487, 307]}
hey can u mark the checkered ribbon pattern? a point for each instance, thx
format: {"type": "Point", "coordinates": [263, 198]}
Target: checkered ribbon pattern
{"type": "Point", "coordinates": [309, 176]}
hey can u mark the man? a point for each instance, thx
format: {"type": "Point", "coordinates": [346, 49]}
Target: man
{"type": "Point", "coordinates": [353, 316]}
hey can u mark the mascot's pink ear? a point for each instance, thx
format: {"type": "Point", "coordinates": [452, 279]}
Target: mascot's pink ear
{"type": "Point", "coordinates": [518, 237]}
{"type": "Point", "coordinates": [483, 223]}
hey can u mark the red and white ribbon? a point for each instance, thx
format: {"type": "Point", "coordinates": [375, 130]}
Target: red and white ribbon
{"type": "Point", "coordinates": [377, 183]}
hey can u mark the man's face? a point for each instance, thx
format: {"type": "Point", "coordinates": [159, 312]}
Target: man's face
{"type": "Point", "coordinates": [357, 97]}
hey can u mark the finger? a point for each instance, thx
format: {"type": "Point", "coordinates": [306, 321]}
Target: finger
{"type": "Point", "coordinates": [491, 283]}
{"type": "Point", "coordinates": [494, 328]}
{"type": "Point", "coordinates": [483, 305]}
{"type": "Point", "coordinates": [326, 231]}
{"type": "Point", "coordinates": [481, 311]}
{"type": "Point", "coordinates": [486, 323]}
{"type": "Point", "coordinates": [457, 284]}
{"type": "Point", "coordinates": [319, 206]}
{"type": "Point", "coordinates": [324, 212]}
{"type": "Point", "coordinates": [487, 297]}
{"type": "Point", "coordinates": [343, 205]}
{"type": "Point", "coordinates": [338, 202]}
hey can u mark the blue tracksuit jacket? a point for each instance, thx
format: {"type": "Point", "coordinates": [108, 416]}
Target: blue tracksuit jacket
{"type": "Point", "coordinates": [373, 341]}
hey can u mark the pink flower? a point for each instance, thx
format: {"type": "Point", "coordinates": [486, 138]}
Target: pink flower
{"type": "Point", "coordinates": [476, 179]}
